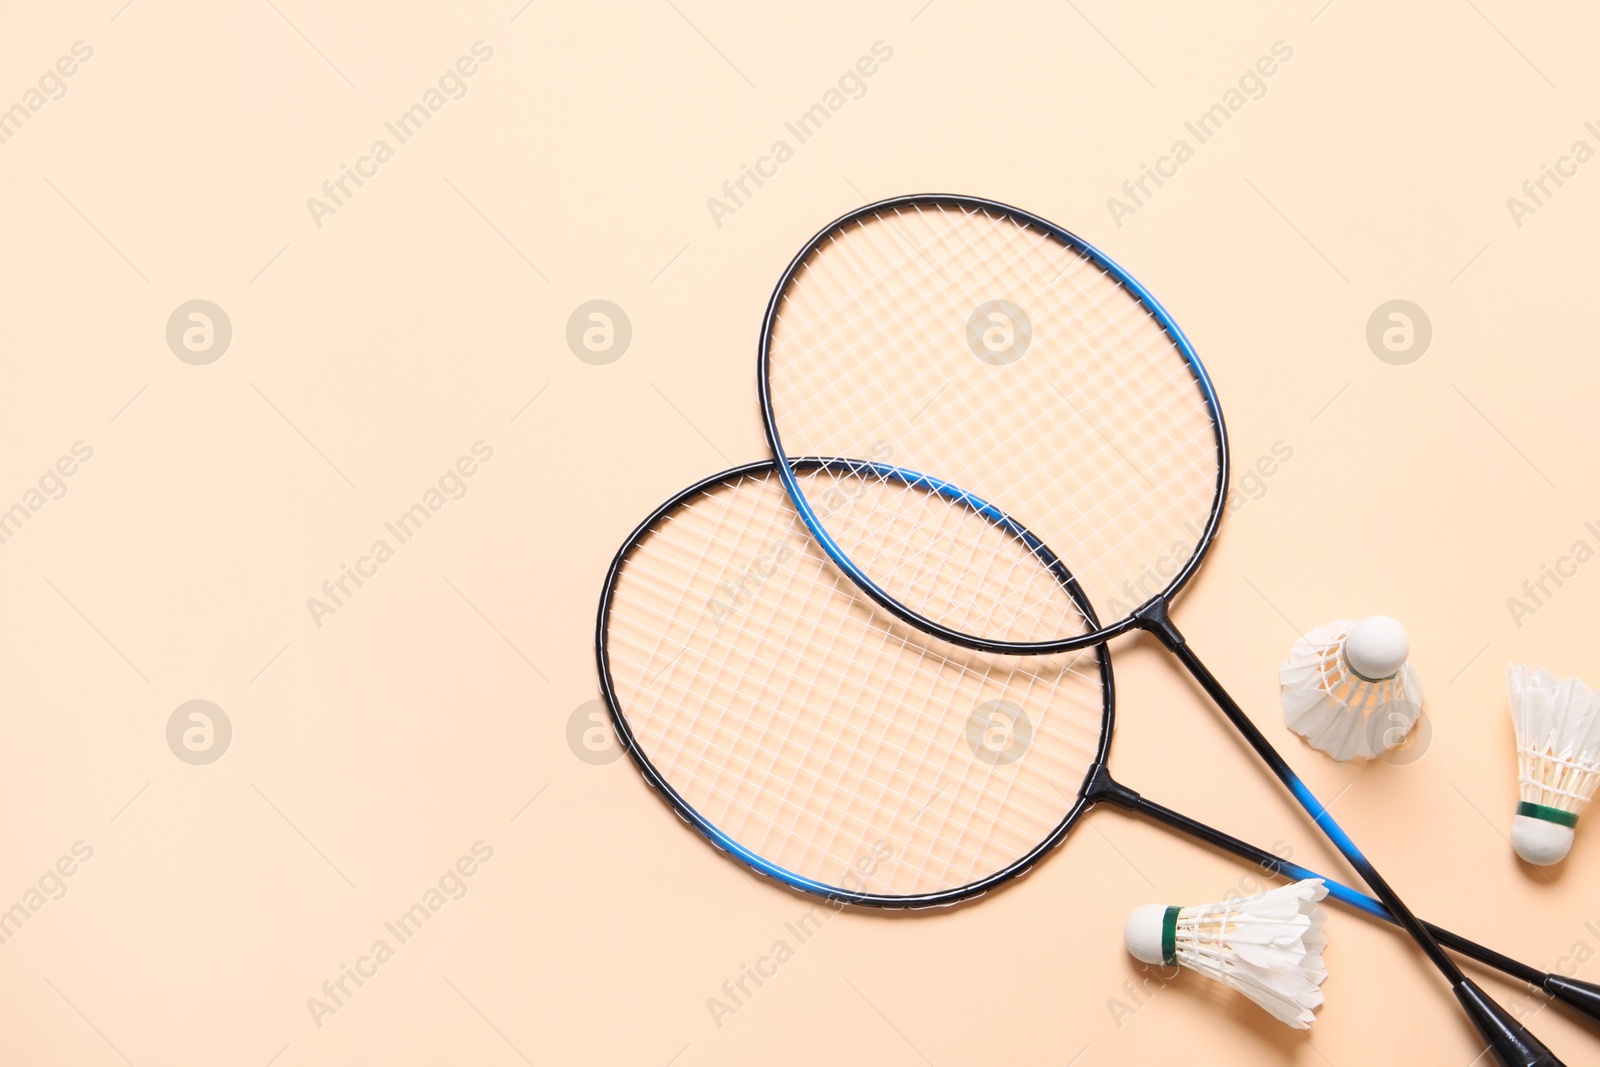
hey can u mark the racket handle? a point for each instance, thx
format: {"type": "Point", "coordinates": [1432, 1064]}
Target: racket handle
{"type": "Point", "coordinates": [1582, 996]}
{"type": "Point", "coordinates": [1512, 1045]}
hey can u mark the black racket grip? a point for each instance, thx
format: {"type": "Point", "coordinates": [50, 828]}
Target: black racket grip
{"type": "Point", "coordinates": [1512, 1045]}
{"type": "Point", "coordinates": [1582, 996]}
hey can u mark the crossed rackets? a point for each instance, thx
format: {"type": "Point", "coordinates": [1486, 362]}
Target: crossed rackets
{"type": "Point", "coordinates": [875, 668]}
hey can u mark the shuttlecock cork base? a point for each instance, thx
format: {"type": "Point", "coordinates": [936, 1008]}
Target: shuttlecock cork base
{"type": "Point", "coordinates": [1268, 947]}
{"type": "Point", "coordinates": [1557, 723]}
{"type": "Point", "coordinates": [1349, 688]}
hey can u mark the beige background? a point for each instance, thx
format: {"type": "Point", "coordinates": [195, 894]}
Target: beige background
{"type": "Point", "coordinates": [371, 752]}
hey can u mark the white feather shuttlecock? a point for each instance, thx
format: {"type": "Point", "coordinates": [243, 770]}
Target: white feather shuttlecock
{"type": "Point", "coordinates": [1557, 721]}
{"type": "Point", "coordinates": [1349, 688]}
{"type": "Point", "coordinates": [1268, 947]}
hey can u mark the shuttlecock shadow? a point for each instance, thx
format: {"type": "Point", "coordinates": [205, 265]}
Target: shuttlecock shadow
{"type": "Point", "coordinates": [1536, 874]}
{"type": "Point", "coordinates": [1245, 1022]}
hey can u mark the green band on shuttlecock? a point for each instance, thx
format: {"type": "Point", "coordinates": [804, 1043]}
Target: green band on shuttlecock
{"type": "Point", "coordinates": [1555, 815]}
{"type": "Point", "coordinates": [1169, 936]}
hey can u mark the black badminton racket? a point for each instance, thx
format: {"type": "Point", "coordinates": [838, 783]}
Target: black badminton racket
{"type": "Point", "coordinates": [824, 743]}
{"type": "Point", "coordinates": [987, 349]}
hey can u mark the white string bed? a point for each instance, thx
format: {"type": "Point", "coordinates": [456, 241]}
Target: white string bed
{"type": "Point", "coordinates": [822, 735]}
{"type": "Point", "coordinates": [1098, 438]}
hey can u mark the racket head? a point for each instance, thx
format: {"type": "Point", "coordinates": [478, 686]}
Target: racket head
{"type": "Point", "coordinates": [844, 369]}
{"type": "Point", "coordinates": [698, 738]}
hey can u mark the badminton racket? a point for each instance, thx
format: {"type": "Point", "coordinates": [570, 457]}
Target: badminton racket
{"type": "Point", "coordinates": [982, 346]}
{"type": "Point", "coordinates": [825, 744]}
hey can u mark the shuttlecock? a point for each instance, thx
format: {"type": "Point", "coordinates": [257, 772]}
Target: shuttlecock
{"type": "Point", "coordinates": [1558, 760]}
{"type": "Point", "coordinates": [1268, 947]}
{"type": "Point", "coordinates": [1349, 688]}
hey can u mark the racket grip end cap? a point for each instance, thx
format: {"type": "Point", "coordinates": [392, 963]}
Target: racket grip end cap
{"type": "Point", "coordinates": [1512, 1045]}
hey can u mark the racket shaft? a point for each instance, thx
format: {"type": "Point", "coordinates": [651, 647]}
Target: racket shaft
{"type": "Point", "coordinates": [1511, 1043]}
{"type": "Point", "coordinates": [1156, 620]}
{"type": "Point", "coordinates": [1583, 997]}
{"type": "Point", "coordinates": [1346, 895]}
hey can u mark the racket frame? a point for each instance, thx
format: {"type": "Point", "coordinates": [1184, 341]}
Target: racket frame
{"type": "Point", "coordinates": [1136, 619]}
{"type": "Point", "coordinates": [760, 864]}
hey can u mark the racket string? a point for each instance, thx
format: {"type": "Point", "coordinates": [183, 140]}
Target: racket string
{"type": "Point", "coordinates": [843, 768]}
{"type": "Point", "coordinates": [841, 272]}
{"type": "Point", "coordinates": [899, 760]}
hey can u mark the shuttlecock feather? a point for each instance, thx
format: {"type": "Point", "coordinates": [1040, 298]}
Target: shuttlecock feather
{"type": "Point", "coordinates": [1349, 688]}
{"type": "Point", "coordinates": [1558, 760]}
{"type": "Point", "coordinates": [1268, 947]}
